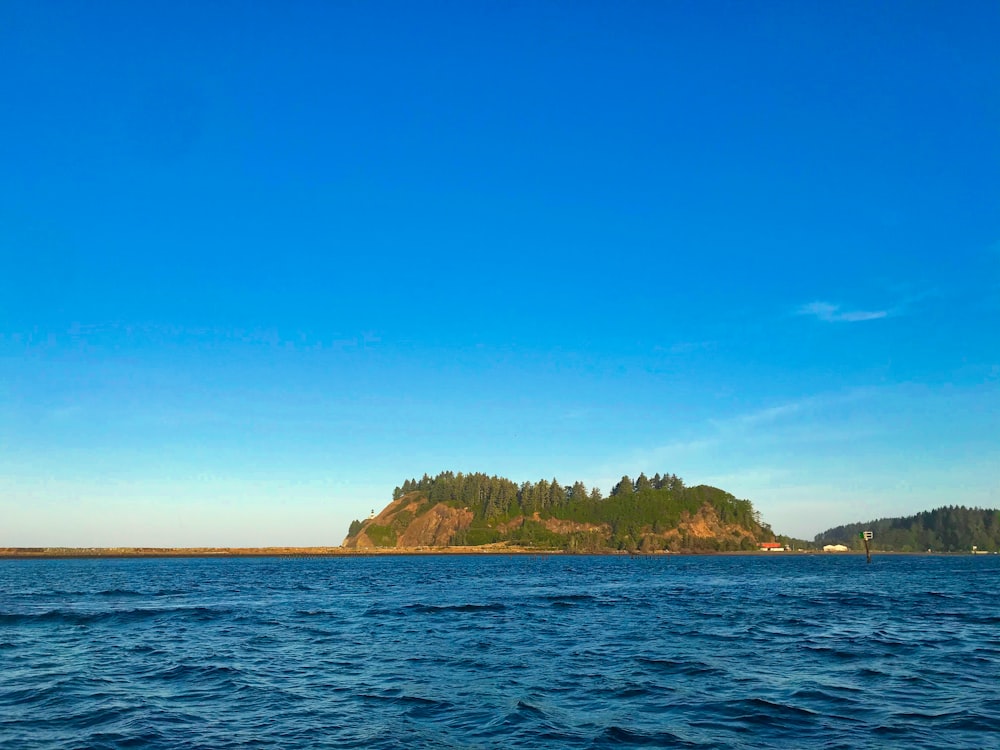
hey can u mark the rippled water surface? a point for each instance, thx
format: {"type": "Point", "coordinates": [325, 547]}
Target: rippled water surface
{"type": "Point", "coordinates": [711, 652]}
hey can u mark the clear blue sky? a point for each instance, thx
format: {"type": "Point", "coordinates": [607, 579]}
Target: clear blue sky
{"type": "Point", "coordinates": [261, 262]}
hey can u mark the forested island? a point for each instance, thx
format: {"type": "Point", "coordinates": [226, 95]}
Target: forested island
{"type": "Point", "coordinates": [646, 514]}
{"type": "Point", "coordinates": [947, 529]}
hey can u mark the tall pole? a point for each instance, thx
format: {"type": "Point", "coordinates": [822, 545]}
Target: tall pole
{"type": "Point", "coordinates": [866, 535]}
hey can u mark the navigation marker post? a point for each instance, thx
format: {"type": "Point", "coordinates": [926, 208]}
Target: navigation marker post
{"type": "Point", "coordinates": [866, 535]}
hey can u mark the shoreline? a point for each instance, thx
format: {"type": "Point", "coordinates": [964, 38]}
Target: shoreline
{"type": "Point", "coordinates": [51, 553]}
{"type": "Point", "coordinates": [27, 553]}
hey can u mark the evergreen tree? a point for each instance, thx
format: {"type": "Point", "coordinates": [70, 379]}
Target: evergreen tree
{"type": "Point", "coordinates": [557, 494]}
{"type": "Point", "coordinates": [624, 487]}
{"type": "Point", "coordinates": [542, 497]}
{"type": "Point", "coordinates": [527, 499]}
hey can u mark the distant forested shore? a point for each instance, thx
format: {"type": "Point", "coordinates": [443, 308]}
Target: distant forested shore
{"type": "Point", "coordinates": [953, 528]}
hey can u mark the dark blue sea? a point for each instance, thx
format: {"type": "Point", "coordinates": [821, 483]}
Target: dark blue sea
{"type": "Point", "coordinates": [494, 651]}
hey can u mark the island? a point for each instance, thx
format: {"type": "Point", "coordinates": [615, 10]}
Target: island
{"type": "Point", "coordinates": [489, 513]}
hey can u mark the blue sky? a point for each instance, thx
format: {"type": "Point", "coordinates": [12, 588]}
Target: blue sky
{"type": "Point", "coordinates": [261, 262]}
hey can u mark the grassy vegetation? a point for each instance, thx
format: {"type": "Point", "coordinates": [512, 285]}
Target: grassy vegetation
{"type": "Point", "coordinates": [381, 536]}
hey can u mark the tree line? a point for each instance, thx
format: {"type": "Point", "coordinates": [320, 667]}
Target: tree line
{"type": "Point", "coordinates": [953, 528]}
{"type": "Point", "coordinates": [495, 498]}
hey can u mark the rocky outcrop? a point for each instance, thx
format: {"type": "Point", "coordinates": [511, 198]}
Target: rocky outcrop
{"type": "Point", "coordinates": [411, 521]}
{"type": "Point", "coordinates": [703, 530]}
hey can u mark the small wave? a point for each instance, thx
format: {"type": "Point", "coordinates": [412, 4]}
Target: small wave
{"type": "Point", "coordinates": [679, 666]}
{"type": "Point", "coordinates": [318, 633]}
{"type": "Point", "coordinates": [977, 619]}
{"type": "Point", "coordinates": [824, 696]}
{"type": "Point", "coordinates": [420, 708]}
{"type": "Point", "coordinates": [926, 715]}
{"type": "Point", "coordinates": [632, 691]}
{"type": "Point", "coordinates": [119, 593]}
{"type": "Point", "coordinates": [967, 721]}
{"type": "Point", "coordinates": [914, 679]}
{"type": "Point", "coordinates": [885, 729]}
{"type": "Point", "coordinates": [576, 598]}
{"type": "Point", "coordinates": [940, 595]}
{"type": "Point", "coordinates": [843, 599]}
{"type": "Point", "coordinates": [96, 717]}
{"type": "Point", "coordinates": [523, 713]}
{"type": "Point", "coordinates": [80, 617]}
{"type": "Point", "coordinates": [528, 709]}
{"type": "Point", "coordinates": [758, 712]}
{"type": "Point", "coordinates": [115, 740]}
{"type": "Point", "coordinates": [185, 672]}
{"type": "Point", "coordinates": [831, 652]}
{"type": "Point", "coordinates": [615, 735]}
{"type": "Point", "coordinates": [436, 609]}
{"type": "Point", "coordinates": [53, 615]}
{"type": "Point", "coordinates": [415, 705]}
{"type": "Point", "coordinates": [871, 672]}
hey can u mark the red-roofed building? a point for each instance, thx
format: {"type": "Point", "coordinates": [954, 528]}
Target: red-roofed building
{"type": "Point", "coordinates": [772, 547]}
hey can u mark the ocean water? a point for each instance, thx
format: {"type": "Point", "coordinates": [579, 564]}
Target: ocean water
{"type": "Point", "coordinates": [464, 652]}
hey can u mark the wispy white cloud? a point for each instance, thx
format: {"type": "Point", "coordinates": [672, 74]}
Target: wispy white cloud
{"type": "Point", "coordinates": [818, 419]}
{"type": "Point", "coordinates": [763, 416]}
{"type": "Point", "coordinates": [794, 408]}
{"type": "Point", "coordinates": [835, 314]}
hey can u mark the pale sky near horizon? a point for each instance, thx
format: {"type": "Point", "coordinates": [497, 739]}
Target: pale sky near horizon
{"type": "Point", "coordinates": [261, 262]}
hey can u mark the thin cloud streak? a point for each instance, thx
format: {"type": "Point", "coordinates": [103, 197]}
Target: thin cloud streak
{"type": "Point", "coordinates": [812, 404]}
{"type": "Point", "coordinates": [832, 313]}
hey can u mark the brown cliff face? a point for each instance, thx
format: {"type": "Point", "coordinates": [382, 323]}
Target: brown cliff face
{"type": "Point", "coordinates": [411, 521]}
{"type": "Point", "coordinates": [436, 527]}
{"type": "Point", "coordinates": [705, 526]}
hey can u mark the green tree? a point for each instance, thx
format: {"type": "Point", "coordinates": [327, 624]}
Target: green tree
{"type": "Point", "coordinates": [557, 494]}
{"type": "Point", "coordinates": [624, 487]}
